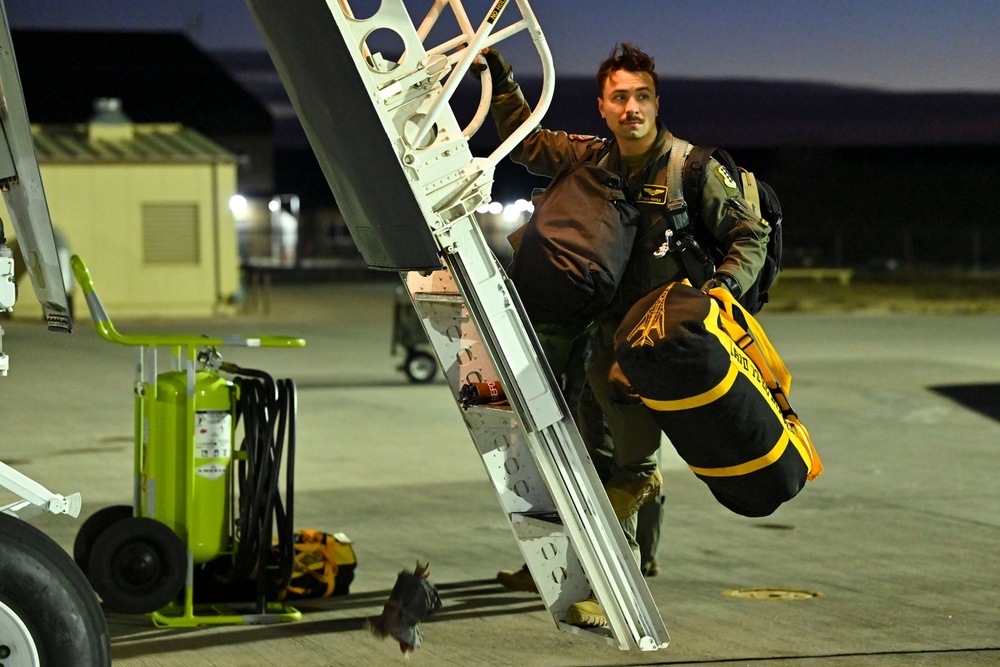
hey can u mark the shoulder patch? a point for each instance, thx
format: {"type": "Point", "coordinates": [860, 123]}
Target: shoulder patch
{"type": "Point", "coordinates": [582, 137]}
{"type": "Point", "coordinates": [726, 179]}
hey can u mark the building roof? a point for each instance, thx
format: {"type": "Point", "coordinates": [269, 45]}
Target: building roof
{"type": "Point", "coordinates": [150, 143]}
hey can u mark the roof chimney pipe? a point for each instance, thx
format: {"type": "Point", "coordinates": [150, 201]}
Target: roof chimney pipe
{"type": "Point", "coordinates": [109, 122]}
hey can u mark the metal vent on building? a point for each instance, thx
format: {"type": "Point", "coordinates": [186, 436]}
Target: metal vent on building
{"type": "Point", "coordinates": [170, 234]}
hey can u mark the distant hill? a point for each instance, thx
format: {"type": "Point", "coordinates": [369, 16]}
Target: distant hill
{"type": "Point", "coordinates": [768, 114]}
{"type": "Point", "coordinates": [739, 113]}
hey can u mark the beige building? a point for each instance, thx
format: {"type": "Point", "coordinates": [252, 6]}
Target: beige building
{"type": "Point", "coordinates": [147, 208]}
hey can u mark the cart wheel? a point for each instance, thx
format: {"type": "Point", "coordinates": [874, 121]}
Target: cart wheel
{"type": "Point", "coordinates": [49, 615]}
{"type": "Point", "coordinates": [420, 367]}
{"type": "Point", "coordinates": [93, 528]}
{"type": "Point", "coordinates": [138, 565]}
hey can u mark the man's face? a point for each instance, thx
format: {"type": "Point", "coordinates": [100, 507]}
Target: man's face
{"type": "Point", "coordinates": [629, 106]}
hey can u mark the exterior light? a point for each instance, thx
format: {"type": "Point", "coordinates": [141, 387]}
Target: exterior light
{"type": "Point", "coordinates": [238, 205]}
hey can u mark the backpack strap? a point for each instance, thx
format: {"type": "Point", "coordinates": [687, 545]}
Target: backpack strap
{"type": "Point", "coordinates": [603, 153]}
{"type": "Point", "coordinates": [696, 261]}
{"type": "Point", "coordinates": [695, 169]}
{"type": "Point", "coordinates": [679, 151]}
{"type": "Point", "coordinates": [749, 336]}
{"type": "Point", "coordinates": [596, 152]}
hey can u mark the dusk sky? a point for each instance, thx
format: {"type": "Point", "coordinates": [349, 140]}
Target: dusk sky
{"type": "Point", "coordinates": [911, 45]}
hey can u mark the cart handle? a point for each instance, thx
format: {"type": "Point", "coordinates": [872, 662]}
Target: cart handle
{"type": "Point", "coordinates": [108, 332]}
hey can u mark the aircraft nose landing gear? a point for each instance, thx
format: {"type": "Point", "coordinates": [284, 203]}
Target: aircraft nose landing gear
{"type": "Point", "coordinates": [49, 615]}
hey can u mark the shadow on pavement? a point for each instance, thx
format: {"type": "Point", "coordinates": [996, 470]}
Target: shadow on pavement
{"type": "Point", "coordinates": [981, 398]}
{"type": "Point", "coordinates": [133, 636]}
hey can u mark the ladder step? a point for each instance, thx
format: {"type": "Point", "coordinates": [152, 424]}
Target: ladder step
{"type": "Point", "coordinates": [535, 525]}
{"type": "Point", "coordinates": [541, 517]}
{"type": "Point", "coordinates": [489, 407]}
{"type": "Point", "coordinates": [597, 633]}
{"type": "Point", "coordinates": [449, 299]}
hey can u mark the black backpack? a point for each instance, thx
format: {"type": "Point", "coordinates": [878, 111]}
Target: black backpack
{"type": "Point", "coordinates": [569, 257]}
{"type": "Point", "coordinates": [706, 247]}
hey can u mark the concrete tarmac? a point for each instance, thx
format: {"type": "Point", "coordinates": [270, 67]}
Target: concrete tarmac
{"type": "Point", "coordinates": [889, 558]}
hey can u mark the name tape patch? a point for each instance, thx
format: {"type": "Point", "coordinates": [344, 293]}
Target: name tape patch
{"type": "Point", "coordinates": [650, 193]}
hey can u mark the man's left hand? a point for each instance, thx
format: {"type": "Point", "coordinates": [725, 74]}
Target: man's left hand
{"type": "Point", "coordinates": [722, 280]}
{"type": "Point", "coordinates": [621, 388]}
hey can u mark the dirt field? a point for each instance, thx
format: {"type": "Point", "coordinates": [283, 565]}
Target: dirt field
{"type": "Point", "coordinates": [933, 294]}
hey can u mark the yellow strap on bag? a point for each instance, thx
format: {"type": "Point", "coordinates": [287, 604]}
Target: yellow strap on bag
{"type": "Point", "coordinates": [314, 557]}
{"type": "Point", "coordinates": [319, 559]}
{"type": "Point", "coordinates": [776, 375]}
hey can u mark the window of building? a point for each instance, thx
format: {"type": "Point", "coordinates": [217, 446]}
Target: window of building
{"type": "Point", "coordinates": [170, 234]}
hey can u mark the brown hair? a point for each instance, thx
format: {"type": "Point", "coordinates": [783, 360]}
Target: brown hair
{"type": "Point", "coordinates": [627, 57]}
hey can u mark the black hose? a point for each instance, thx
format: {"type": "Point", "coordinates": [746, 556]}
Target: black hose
{"type": "Point", "coordinates": [267, 409]}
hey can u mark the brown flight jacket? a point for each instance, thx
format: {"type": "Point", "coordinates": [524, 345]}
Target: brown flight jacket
{"type": "Point", "coordinates": [723, 210]}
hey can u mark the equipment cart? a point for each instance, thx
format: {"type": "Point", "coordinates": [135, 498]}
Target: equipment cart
{"type": "Point", "coordinates": [186, 512]}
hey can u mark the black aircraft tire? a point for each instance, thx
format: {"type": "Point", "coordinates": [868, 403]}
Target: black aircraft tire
{"type": "Point", "coordinates": [93, 528]}
{"type": "Point", "coordinates": [49, 614]}
{"type": "Point", "coordinates": [138, 565]}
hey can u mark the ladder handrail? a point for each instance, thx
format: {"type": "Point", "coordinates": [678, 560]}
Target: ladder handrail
{"type": "Point", "coordinates": [107, 331]}
{"type": "Point", "coordinates": [482, 39]}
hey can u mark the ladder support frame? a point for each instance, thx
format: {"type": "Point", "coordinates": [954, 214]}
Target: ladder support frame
{"type": "Point", "coordinates": [532, 451]}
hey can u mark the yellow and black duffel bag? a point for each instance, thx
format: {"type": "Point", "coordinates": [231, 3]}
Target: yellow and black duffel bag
{"type": "Point", "coordinates": [719, 391]}
{"type": "Point", "coordinates": [324, 565]}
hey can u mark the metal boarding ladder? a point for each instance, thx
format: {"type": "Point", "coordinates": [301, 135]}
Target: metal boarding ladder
{"type": "Point", "coordinates": [24, 196]}
{"type": "Point", "coordinates": [408, 186]}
